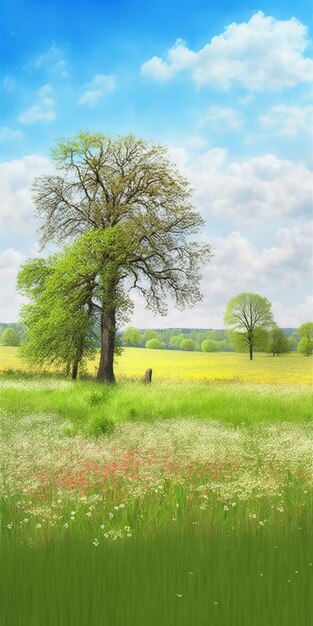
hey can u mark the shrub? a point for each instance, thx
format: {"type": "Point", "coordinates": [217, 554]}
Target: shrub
{"type": "Point", "coordinates": [10, 337]}
{"type": "Point", "coordinates": [209, 345]}
{"type": "Point", "coordinates": [188, 344]}
{"type": "Point", "coordinates": [305, 346]}
{"type": "Point", "coordinates": [155, 344]}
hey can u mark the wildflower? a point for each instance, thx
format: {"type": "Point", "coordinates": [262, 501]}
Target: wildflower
{"type": "Point", "coordinates": [95, 542]}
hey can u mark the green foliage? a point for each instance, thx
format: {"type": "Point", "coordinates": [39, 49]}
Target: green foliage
{"type": "Point", "coordinates": [293, 340]}
{"type": "Point", "coordinates": [209, 345]}
{"type": "Point", "coordinates": [101, 425]}
{"type": "Point", "coordinates": [84, 404]}
{"type": "Point", "coordinates": [176, 340]}
{"type": "Point", "coordinates": [150, 333]}
{"type": "Point", "coordinates": [155, 344]}
{"type": "Point", "coordinates": [243, 342]}
{"type": "Point", "coordinates": [249, 317]}
{"type": "Point", "coordinates": [132, 336]}
{"type": "Point", "coordinates": [305, 346]}
{"type": "Point", "coordinates": [188, 344]}
{"type": "Point", "coordinates": [223, 346]}
{"type": "Point", "coordinates": [127, 188]}
{"type": "Point", "coordinates": [278, 342]}
{"type": "Point", "coordinates": [306, 330]}
{"type": "Point", "coordinates": [213, 335]}
{"type": "Point", "coordinates": [58, 320]}
{"type": "Point", "coordinates": [9, 337]}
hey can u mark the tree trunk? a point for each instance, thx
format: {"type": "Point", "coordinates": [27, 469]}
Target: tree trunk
{"type": "Point", "coordinates": [251, 352]}
{"type": "Point", "coordinates": [108, 331]}
{"type": "Point", "coordinates": [75, 370]}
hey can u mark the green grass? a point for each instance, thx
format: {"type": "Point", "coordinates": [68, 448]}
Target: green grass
{"type": "Point", "coordinates": [90, 407]}
{"type": "Point", "coordinates": [225, 545]}
{"type": "Point", "coordinates": [172, 580]}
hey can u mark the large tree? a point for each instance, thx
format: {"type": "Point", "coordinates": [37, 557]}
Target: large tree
{"type": "Point", "coordinates": [104, 183]}
{"type": "Point", "coordinates": [249, 317]}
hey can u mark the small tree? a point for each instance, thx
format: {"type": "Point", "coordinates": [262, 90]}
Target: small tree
{"type": "Point", "coordinates": [305, 346]}
{"type": "Point", "coordinates": [149, 333]}
{"type": "Point", "coordinates": [249, 317]}
{"type": "Point", "coordinates": [60, 316]}
{"type": "Point", "coordinates": [188, 345]}
{"type": "Point", "coordinates": [305, 332]}
{"type": "Point", "coordinates": [155, 344]}
{"type": "Point", "coordinates": [10, 337]}
{"type": "Point", "coordinates": [293, 340]}
{"type": "Point", "coordinates": [213, 335]}
{"type": "Point", "coordinates": [132, 336]}
{"type": "Point", "coordinates": [278, 342]}
{"type": "Point", "coordinates": [209, 345]}
{"type": "Point", "coordinates": [176, 340]}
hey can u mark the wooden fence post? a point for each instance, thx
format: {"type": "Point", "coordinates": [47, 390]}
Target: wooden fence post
{"type": "Point", "coordinates": [148, 376]}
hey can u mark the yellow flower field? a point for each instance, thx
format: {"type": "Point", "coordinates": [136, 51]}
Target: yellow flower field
{"type": "Point", "coordinates": [290, 369]}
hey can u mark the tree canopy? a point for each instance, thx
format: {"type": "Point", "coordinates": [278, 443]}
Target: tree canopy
{"type": "Point", "coordinates": [132, 336]}
{"type": "Point", "coordinates": [248, 317]}
{"type": "Point", "coordinates": [278, 342]}
{"type": "Point", "coordinates": [305, 332]}
{"type": "Point", "coordinates": [9, 337]}
{"type": "Point", "coordinates": [128, 189]}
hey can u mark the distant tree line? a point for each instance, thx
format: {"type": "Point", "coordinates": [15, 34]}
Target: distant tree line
{"type": "Point", "coordinates": [276, 341]}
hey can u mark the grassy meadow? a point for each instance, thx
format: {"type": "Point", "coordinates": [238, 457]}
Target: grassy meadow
{"type": "Point", "coordinates": [185, 502]}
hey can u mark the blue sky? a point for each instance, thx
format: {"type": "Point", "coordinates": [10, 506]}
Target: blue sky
{"type": "Point", "coordinates": [226, 88]}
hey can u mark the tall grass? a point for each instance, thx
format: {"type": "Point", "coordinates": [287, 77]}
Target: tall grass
{"type": "Point", "coordinates": [201, 519]}
{"type": "Point", "coordinates": [170, 580]}
{"type": "Point", "coordinates": [92, 408]}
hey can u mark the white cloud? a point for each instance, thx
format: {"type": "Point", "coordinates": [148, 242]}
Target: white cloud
{"type": "Point", "coordinates": [8, 84]}
{"type": "Point", "coordinates": [10, 134]}
{"type": "Point", "coordinates": [252, 191]}
{"type": "Point", "coordinates": [10, 261]}
{"type": "Point", "coordinates": [42, 111]}
{"type": "Point", "coordinates": [262, 54]}
{"type": "Point", "coordinates": [36, 114]}
{"type": "Point", "coordinates": [100, 86]}
{"type": "Point", "coordinates": [238, 266]}
{"type": "Point", "coordinates": [52, 60]}
{"type": "Point", "coordinates": [295, 314]}
{"type": "Point", "coordinates": [16, 178]}
{"type": "Point", "coordinates": [222, 118]}
{"type": "Point", "coordinates": [288, 120]}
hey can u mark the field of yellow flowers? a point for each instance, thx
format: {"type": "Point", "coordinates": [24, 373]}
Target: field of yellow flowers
{"type": "Point", "coordinates": [290, 369]}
